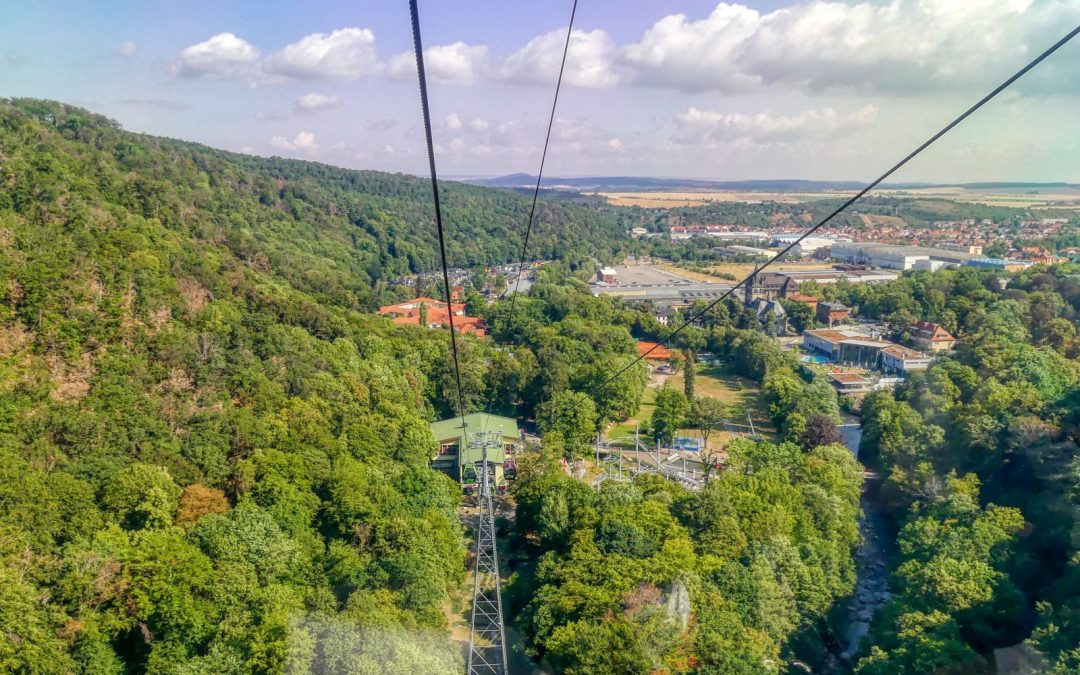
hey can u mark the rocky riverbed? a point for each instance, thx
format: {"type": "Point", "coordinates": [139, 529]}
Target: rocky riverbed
{"type": "Point", "coordinates": [872, 573]}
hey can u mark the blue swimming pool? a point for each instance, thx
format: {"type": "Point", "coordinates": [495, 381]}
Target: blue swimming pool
{"type": "Point", "coordinates": [815, 358]}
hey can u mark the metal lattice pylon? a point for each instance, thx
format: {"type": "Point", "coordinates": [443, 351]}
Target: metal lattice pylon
{"type": "Point", "coordinates": [487, 638]}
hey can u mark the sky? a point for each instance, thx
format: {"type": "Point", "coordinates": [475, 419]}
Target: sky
{"type": "Point", "coordinates": [819, 90]}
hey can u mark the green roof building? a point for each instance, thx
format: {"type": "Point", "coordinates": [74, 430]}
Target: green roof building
{"type": "Point", "coordinates": [455, 457]}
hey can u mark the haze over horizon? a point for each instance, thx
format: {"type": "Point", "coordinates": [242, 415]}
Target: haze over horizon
{"type": "Point", "coordinates": [698, 90]}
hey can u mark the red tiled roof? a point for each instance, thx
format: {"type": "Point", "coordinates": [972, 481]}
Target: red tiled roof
{"type": "Point", "coordinates": [931, 331]}
{"type": "Point", "coordinates": [659, 352]}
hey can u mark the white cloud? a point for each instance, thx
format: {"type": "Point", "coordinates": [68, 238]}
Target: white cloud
{"type": "Point", "coordinates": [126, 49]}
{"type": "Point", "coordinates": [899, 45]}
{"type": "Point", "coordinates": [303, 142]}
{"type": "Point", "coordinates": [314, 101]}
{"type": "Point", "coordinates": [223, 56]}
{"type": "Point", "coordinates": [589, 60]}
{"type": "Point", "coordinates": [459, 62]}
{"type": "Point", "coordinates": [697, 126]}
{"type": "Point", "coordinates": [453, 121]}
{"type": "Point", "coordinates": [344, 53]}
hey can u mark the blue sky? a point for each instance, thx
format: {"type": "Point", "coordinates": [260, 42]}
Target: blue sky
{"type": "Point", "coordinates": [824, 90]}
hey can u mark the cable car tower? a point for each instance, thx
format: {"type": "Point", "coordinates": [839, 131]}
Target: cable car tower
{"type": "Point", "coordinates": [487, 638]}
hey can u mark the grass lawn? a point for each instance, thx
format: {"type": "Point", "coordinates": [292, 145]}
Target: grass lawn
{"type": "Point", "coordinates": [625, 430]}
{"type": "Point", "coordinates": [741, 394]}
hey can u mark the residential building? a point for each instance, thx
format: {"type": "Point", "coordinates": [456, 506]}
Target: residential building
{"type": "Point", "coordinates": [829, 313]}
{"type": "Point", "coordinates": [806, 299]}
{"type": "Point", "coordinates": [900, 359]}
{"type": "Point", "coordinates": [434, 314]}
{"type": "Point", "coordinates": [454, 455]}
{"type": "Point", "coordinates": [931, 336]}
{"type": "Point", "coordinates": [716, 231]}
{"type": "Point", "coordinates": [665, 313]}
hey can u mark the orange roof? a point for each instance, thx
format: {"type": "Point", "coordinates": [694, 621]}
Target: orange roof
{"type": "Point", "coordinates": [931, 331]}
{"type": "Point", "coordinates": [411, 307]}
{"type": "Point", "coordinates": [408, 313]}
{"type": "Point", "coordinates": [658, 351]}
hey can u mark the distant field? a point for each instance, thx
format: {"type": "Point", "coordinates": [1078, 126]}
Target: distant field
{"type": "Point", "coordinates": [873, 220]}
{"type": "Point", "coordinates": [654, 200]}
{"type": "Point", "coordinates": [1014, 197]}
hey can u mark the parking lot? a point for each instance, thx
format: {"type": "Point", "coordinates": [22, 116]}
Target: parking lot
{"type": "Point", "coordinates": [647, 275]}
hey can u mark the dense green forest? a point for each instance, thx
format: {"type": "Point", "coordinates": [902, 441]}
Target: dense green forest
{"type": "Point", "coordinates": [213, 460]}
{"type": "Point", "coordinates": [650, 577]}
{"type": "Point", "coordinates": [981, 472]}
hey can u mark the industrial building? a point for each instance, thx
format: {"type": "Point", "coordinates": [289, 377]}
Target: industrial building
{"type": "Point", "coordinates": [850, 273]}
{"type": "Point", "coordinates": [736, 250]}
{"type": "Point", "coordinates": [999, 264]}
{"type": "Point", "coordinates": [456, 457]}
{"type": "Point", "coordinates": [806, 246]}
{"type": "Point", "coordinates": [895, 257]}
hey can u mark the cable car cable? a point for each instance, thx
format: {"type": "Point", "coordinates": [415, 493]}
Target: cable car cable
{"type": "Point", "coordinates": [543, 158]}
{"type": "Point", "coordinates": [419, 49]}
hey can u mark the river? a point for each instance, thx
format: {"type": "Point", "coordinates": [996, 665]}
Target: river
{"type": "Point", "coordinates": [871, 583]}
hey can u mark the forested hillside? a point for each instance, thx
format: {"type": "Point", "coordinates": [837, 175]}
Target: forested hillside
{"type": "Point", "coordinates": [981, 472]}
{"type": "Point", "coordinates": [211, 460]}
{"type": "Point", "coordinates": [337, 234]}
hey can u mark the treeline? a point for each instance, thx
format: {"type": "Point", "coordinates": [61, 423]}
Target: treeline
{"type": "Point", "coordinates": [980, 463]}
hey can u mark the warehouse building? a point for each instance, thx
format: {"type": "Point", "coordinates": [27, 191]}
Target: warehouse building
{"type": "Point", "coordinates": [895, 257]}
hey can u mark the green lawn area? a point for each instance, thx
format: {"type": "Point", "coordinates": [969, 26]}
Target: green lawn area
{"type": "Point", "coordinates": [741, 394]}
{"type": "Point", "coordinates": [624, 430]}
